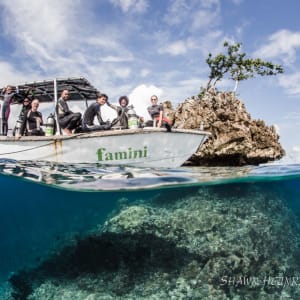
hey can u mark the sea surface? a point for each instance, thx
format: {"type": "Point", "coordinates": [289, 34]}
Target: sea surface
{"type": "Point", "coordinates": [44, 207]}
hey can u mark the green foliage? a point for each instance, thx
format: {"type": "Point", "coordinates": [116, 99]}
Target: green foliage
{"type": "Point", "coordinates": [201, 92]}
{"type": "Point", "coordinates": [237, 66]}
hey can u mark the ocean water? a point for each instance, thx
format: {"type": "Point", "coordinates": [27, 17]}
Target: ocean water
{"type": "Point", "coordinates": [235, 231]}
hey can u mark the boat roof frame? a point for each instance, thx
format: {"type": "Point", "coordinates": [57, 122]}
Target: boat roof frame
{"type": "Point", "coordinates": [80, 89]}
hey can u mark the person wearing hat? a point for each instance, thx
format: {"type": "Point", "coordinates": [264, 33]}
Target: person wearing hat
{"type": "Point", "coordinates": [122, 116]}
{"type": "Point", "coordinates": [122, 112]}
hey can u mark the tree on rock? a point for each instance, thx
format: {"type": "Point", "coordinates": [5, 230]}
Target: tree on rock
{"type": "Point", "coordinates": [237, 66]}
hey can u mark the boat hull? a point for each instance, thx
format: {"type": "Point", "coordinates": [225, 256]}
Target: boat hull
{"type": "Point", "coordinates": [138, 147]}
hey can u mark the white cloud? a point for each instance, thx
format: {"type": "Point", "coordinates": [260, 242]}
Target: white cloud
{"type": "Point", "coordinates": [122, 72]}
{"type": "Point", "coordinates": [45, 32]}
{"type": "Point", "coordinates": [117, 59]}
{"type": "Point", "coordinates": [11, 75]}
{"type": "Point", "coordinates": [192, 83]}
{"type": "Point", "coordinates": [175, 48]}
{"type": "Point", "coordinates": [138, 6]}
{"type": "Point", "coordinates": [100, 42]}
{"type": "Point", "coordinates": [282, 44]}
{"type": "Point", "coordinates": [212, 41]}
{"type": "Point", "coordinates": [277, 128]}
{"type": "Point", "coordinates": [46, 23]}
{"type": "Point", "coordinates": [61, 39]}
{"type": "Point", "coordinates": [208, 15]}
{"type": "Point", "coordinates": [38, 49]}
{"type": "Point", "coordinates": [294, 154]}
{"type": "Point", "coordinates": [176, 89]}
{"type": "Point", "coordinates": [295, 116]}
{"type": "Point", "coordinates": [290, 82]}
{"type": "Point", "coordinates": [237, 2]}
{"type": "Point", "coordinates": [177, 12]}
{"type": "Point", "coordinates": [209, 3]}
{"type": "Point", "coordinates": [144, 72]}
{"type": "Point", "coordinates": [193, 14]}
{"type": "Point", "coordinates": [204, 18]}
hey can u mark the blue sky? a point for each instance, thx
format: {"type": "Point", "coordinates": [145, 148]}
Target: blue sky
{"type": "Point", "coordinates": [141, 47]}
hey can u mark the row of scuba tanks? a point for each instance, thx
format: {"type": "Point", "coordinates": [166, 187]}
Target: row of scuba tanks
{"type": "Point", "coordinates": [50, 128]}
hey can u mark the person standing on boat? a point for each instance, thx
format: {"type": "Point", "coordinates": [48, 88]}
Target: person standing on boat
{"type": "Point", "coordinates": [68, 120]}
{"type": "Point", "coordinates": [32, 121]}
{"type": "Point", "coordinates": [91, 112]}
{"type": "Point", "coordinates": [7, 95]}
{"type": "Point", "coordinates": [156, 112]}
{"type": "Point", "coordinates": [25, 107]}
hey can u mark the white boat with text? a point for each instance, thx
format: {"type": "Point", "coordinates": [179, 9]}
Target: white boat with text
{"type": "Point", "coordinates": [141, 147]}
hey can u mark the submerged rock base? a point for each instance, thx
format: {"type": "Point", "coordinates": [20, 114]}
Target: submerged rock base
{"type": "Point", "coordinates": [215, 243]}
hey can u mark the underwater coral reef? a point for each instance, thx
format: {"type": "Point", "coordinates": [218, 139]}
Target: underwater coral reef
{"type": "Point", "coordinates": [214, 243]}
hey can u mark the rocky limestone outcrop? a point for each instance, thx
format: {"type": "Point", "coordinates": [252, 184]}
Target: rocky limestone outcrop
{"type": "Point", "coordinates": [235, 139]}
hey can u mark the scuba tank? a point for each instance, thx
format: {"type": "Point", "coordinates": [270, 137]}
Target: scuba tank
{"type": "Point", "coordinates": [18, 127]}
{"type": "Point", "coordinates": [50, 125]}
{"type": "Point", "coordinates": [133, 121]}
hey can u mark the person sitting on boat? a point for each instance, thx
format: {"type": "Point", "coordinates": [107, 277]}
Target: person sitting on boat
{"type": "Point", "coordinates": [122, 112]}
{"type": "Point", "coordinates": [91, 112]}
{"type": "Point", "coordinates": [33, 120]}
{"type": "Point", "coordinates": [67, 120]}
{"type": "Point", "coordinates": [156, 112]}
{"type": "Point", "coordinates": [25, 107]}
{"type": "Point", "coordinates": [7, 95]}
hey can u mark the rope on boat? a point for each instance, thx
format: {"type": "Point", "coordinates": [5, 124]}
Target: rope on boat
{"type": "Point", "coordinates": [36, 147]}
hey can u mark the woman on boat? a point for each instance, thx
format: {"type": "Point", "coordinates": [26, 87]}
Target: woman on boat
{"type": "Point", "coordinates": [25, 107]}
{"type": "Point", "coordinates": [67, 120]}
{"type": "Point", "coordinates": [32, 121]}
{"type": "Point", "coordinates": [156, 112]}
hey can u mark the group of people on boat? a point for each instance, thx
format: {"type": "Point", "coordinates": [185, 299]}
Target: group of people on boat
{"type": "Point", "coordinates": [73, 122]}
{"type": "Point", "coordinates": [30, 119]}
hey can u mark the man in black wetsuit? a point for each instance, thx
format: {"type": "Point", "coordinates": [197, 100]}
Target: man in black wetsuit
{"type": "Point", "coordinates": [32, 121]}
{"type": "Point", "coordinates": [91, 112]}
{"type": "Point", "coordinates": [66, 118]}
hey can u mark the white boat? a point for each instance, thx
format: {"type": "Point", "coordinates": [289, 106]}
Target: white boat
{"type": "Point", "coordinates": [147, 147]}
{"type": "Point", "coordinates": [141, 147]}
